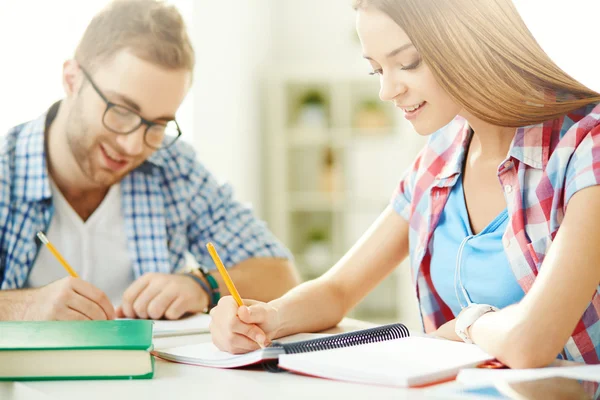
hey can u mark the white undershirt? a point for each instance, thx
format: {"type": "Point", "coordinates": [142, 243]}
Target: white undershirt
{"type": "Point", "coordinates": [96, 248]}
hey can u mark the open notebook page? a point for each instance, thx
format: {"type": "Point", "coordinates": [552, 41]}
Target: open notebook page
{"type": "Point", "coordinates": [207, 354]}
{"type": "Point", "coordinates": [197, 323]}
{"type": "Point", "coordinates": [410, 361]}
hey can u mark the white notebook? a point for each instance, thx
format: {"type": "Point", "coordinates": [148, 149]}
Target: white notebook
{"type": "Point", "coordinates": [207, 354]}
{"type": "Point", "coordinates": [196, 323]}
{"type": "Point", "coordinates": [193, 324]}
{"type": "Point", "coordinates": [384, 356]}
{"type": "Point", "coordinates": [405, 362]}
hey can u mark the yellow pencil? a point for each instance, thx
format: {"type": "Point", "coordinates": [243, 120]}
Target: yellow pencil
{"type": "Point", "coordinates": [224, 274]}
{"type": "Point", "coordinates": [56, 254]}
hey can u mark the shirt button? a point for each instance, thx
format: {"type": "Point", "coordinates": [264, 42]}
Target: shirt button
{"type": "Point", "coordinates": [508, 164]}
{"type": "Point", "coordinates": [506, 242]}
{"type": "Point", "coordinates": [508, 189]}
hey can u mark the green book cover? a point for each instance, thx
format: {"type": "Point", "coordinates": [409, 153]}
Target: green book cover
{"type": "Point", "coordinates": [135, 334]}
{"type": "Point", "coordinates": [76, 350]}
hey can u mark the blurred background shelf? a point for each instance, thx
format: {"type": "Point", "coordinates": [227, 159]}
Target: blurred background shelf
{"type": "Point", "coordinates": [316, 201]}
{"type": "Point", "coordinates": [336, 154]}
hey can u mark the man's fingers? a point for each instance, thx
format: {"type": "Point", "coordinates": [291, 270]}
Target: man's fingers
{"type": "Point", "coordinates": [73, 315]}
{"type": "Point", "coordinates": [176, 309]}
{"type": "Point", "coordinates": [96, 296]}
{"type": "Point", "coordinates": [119, 312]}
{"type": "Point", "coordinates": [140, 305]}
{"type": "Point", "coordinates": [86, 307]}
{"type": "Point", "coordinates": [131, 294]}
{"type": "Point", "coordinates": [160, 303]}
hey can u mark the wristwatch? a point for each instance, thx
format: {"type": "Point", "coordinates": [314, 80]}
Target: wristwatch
{"type": "Point", "coordinates": [468, 316]}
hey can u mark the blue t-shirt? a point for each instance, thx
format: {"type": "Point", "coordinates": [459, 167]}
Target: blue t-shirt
{"type": "Point", "coordinates": [485, 273]}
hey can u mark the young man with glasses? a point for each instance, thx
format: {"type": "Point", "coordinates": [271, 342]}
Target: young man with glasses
{"type": "Point", "coordinates": [103, 173]}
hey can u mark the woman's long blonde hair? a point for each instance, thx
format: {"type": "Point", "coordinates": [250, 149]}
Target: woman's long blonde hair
{"type": "Point", "coordinates": [483, 55]}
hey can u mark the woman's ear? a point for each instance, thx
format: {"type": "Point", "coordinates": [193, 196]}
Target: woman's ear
{"type": "Point", "coordinates": [72, 78]}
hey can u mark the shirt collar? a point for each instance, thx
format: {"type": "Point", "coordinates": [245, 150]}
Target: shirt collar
{"type": "Point", "coordinates": [30, 158]}
{"type": "Point", "coordinates": [530, 145]}
{"type": "Point", "coordinates": [456, 152]}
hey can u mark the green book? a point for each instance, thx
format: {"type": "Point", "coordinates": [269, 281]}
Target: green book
{"type": "Point", "coordinates": [53, 350]}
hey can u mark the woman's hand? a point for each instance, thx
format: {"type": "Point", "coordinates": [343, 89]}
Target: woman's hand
{"type": "Point", "coordinates": [243, 329]}
{"type": "Point", "coordinates": [447, 331]}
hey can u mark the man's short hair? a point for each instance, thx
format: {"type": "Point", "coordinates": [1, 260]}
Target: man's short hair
{"type": "Point", "coordinates": [151, 29]}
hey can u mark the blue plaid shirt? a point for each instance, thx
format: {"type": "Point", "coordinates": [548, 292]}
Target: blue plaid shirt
{"type": "Point", "coordinates": [171, 205]}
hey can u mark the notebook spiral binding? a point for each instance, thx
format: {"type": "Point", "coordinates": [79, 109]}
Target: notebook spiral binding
{"type": "Point", "coordinates": [372, 335]}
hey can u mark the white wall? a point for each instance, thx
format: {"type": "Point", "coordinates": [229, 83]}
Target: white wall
{"type": "Point", "coordinates": [35, 39]}
{"type": "Point", "coordinates": [232, 44]}
{"type": "Point", "coordinates": [316, 31]}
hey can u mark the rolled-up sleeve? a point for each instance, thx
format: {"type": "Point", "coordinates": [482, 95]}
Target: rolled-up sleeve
{"type": "Point", "coordinates": [583, 169]}
{"type": "Point", "coordinates": [230, 225]}
{"type": "Point", "coordinates": [402, 197]}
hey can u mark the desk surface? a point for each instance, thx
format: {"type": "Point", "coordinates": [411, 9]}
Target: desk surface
{"type": "Point", "coordinates": [180, 381]}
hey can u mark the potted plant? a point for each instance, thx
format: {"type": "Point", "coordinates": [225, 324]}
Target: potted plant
{"type": "Point", "coordinates": [312, 110]}
{"type": "Point", "coordinates": [317, 253]}
{"type": "Point", "coordinates": [371, 115]}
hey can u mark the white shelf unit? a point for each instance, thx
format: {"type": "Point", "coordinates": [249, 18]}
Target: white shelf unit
{"type": "Point", "coordinates": [367, 163]}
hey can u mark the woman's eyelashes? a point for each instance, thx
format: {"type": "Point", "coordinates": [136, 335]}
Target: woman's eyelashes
{"type": "Point", "coordinates": [414, 65]}
{"type": "Point", "coordinates": [411, 66]}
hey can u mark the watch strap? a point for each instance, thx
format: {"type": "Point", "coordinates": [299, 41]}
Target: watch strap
{"type": "Point", "coordinates": [468, 316]}
{"type": "Point", "coordinates": [215, 293]}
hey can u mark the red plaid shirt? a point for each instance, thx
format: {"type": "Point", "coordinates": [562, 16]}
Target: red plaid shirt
{"type": "Point", "coordinates": [547, 163]}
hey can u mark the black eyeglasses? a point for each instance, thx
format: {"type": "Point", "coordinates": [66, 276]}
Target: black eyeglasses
{"type": "Point", "coordinates": [123, 121]}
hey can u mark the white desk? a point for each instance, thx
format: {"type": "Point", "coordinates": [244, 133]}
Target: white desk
{"type": "Point", "coordinates": [179, 381]}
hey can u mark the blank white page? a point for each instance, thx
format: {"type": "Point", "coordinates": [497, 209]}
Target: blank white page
{"type": "Point", "coordinates": [197, 323]}
{"type": "Point", "coordinates": [207, 354]}
{"type": "Point", "coordinates": [401, 362]}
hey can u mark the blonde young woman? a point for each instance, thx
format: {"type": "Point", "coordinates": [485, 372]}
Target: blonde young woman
{"type": "Point", "coordinates": [500, 212]}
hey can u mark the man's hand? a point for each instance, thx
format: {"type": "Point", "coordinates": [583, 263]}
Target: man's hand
{"type": "Point", "coordinates": [156, 296]}
{"type": "Point", "coordinates": [66, 299]}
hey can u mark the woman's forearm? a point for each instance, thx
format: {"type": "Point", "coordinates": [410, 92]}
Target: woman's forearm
{"type": "Point", "coordinates": [311, 307]}
{"type": "Point", "coordinates": [512, 338]}
{"type": "Point", "coordinates": [323, 302]}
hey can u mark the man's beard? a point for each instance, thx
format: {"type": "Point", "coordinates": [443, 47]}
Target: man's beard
{"type": "Point", "coordinates": [83, 145]}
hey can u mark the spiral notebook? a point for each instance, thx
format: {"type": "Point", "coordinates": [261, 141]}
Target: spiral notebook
{"type": "Point", "coordinates": [384, 355]}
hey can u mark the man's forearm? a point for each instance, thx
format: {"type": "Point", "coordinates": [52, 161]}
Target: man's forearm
{"type": "Point", "coordinates": [261, 279]}
{"type": "Point", "coordinates": [12, 304]}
